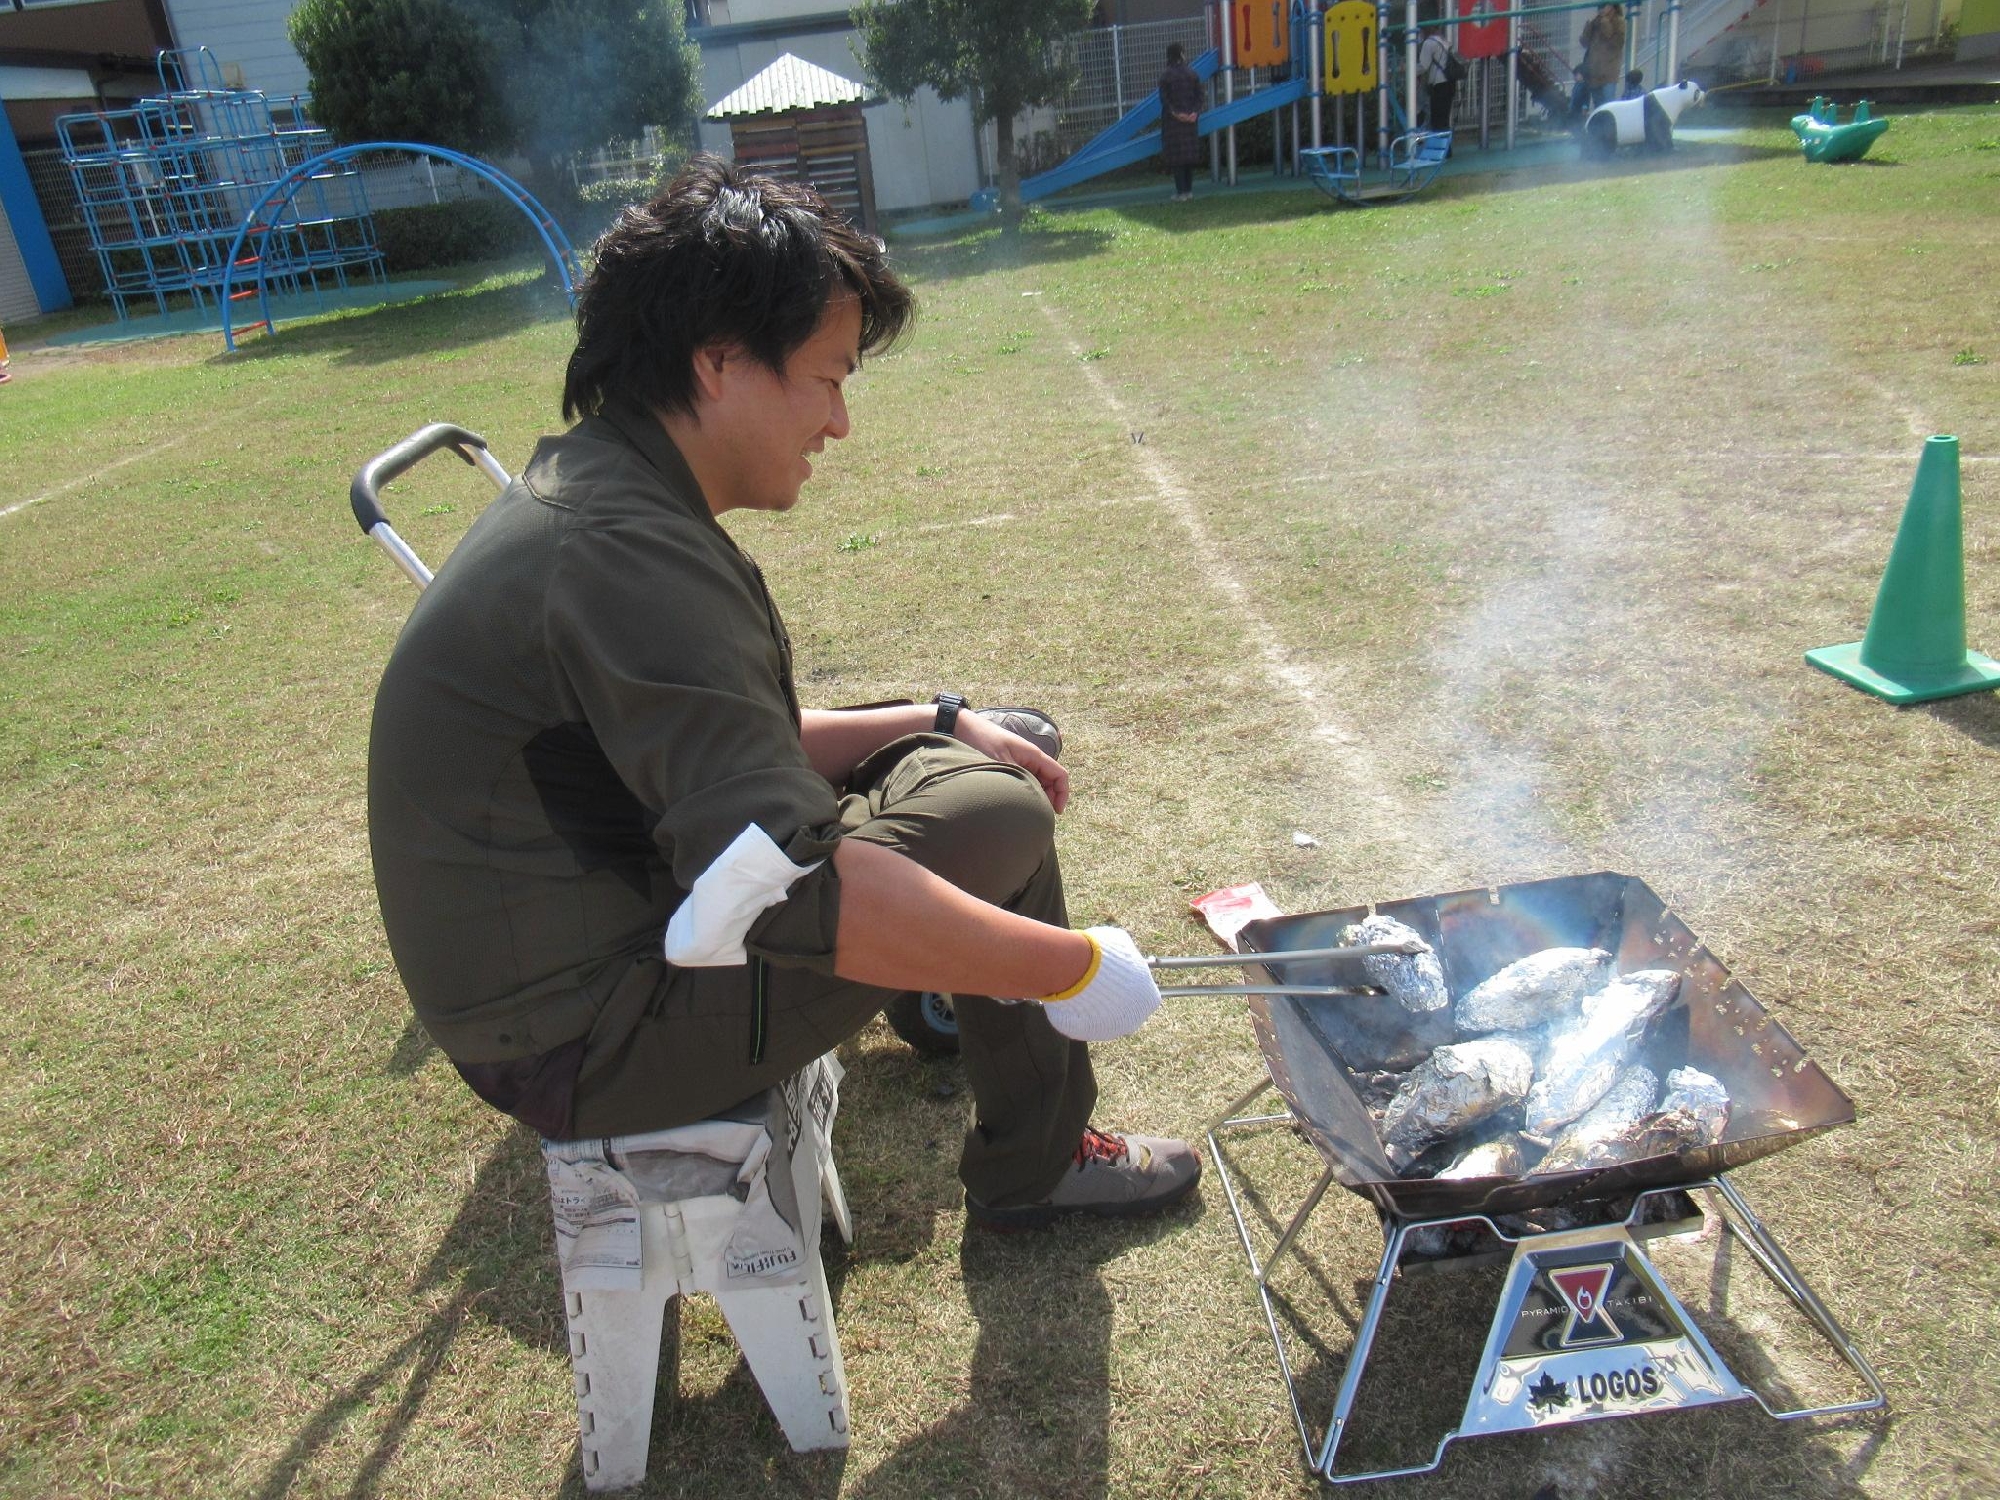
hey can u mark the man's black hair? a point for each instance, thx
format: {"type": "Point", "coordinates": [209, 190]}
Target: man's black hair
{"type": "Point", "coordinates": [722, 257]}
{"type": "Point", "coordinates": [1176, 53]}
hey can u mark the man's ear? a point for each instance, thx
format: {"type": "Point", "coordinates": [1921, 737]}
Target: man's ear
{"type": "Point", "coordinates": [708, 362]}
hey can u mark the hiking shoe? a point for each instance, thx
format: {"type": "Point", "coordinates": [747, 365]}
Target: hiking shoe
{"type": "Point", "coordinates": [1030, 724]}
{"type": "Point", "coordinates": [1110, 1176]}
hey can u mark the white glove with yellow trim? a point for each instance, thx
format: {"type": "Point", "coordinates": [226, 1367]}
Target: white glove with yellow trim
{"type": "Point", "coordinates": [1115, 995]}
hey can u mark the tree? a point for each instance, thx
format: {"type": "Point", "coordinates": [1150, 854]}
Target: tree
{"type": "Point", "coordinates": [1005, 54]}
{"type": "Point", "coordinates": [545, 78]}
{"type": "Point", "coordinates": [401, 70]}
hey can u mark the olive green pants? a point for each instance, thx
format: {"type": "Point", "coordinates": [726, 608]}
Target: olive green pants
{"type": "Point", "coordinates": [986, 828]}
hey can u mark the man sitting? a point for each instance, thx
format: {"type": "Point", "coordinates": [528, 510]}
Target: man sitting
{"type": "Point", "coordinates": [628, 880]}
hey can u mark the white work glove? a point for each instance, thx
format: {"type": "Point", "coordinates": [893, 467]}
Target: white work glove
{"type": "Point", "coordinates": [1115, 995]}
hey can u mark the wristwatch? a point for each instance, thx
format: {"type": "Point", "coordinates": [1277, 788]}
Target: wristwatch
{"type": "Point", "coordinates": [949, 706]}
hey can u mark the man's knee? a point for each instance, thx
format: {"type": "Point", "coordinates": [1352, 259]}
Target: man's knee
{"type": "Point", "coordinates": [985, 827]}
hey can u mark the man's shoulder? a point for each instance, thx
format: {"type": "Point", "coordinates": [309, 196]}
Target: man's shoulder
{"type": "Point", "coordinates": [568, 469]}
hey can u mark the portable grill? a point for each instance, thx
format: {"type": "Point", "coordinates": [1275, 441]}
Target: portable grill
{"type": "Point", "coordinates": [1585, 1326]}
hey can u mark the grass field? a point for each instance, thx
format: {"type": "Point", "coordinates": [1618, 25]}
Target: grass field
{"type": "Point", "coordinates": [1478, 539]}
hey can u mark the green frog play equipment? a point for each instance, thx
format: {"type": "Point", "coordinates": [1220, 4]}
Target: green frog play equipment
{"type": "Point", "coordinates": [1825, 139]}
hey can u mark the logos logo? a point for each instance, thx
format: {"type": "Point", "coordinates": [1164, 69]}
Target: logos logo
{"type": "Point", "coordinates": [1548, 1393]}
{"type": "Point", "coordinates": [1582, 1288]}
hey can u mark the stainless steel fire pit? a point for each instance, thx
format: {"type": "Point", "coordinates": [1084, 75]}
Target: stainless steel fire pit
{"type": "Point", "coordinates": [1585, 1327]}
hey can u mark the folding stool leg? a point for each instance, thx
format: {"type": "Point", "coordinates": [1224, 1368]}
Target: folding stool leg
{"type": "Point", "coordinates": [788, 1338]}
{"type": "Point", "coordinates": [836, 1200]}
{"type": "Point", "coordinates": [614, 1347]}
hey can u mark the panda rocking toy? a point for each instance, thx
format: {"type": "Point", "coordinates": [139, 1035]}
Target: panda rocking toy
{"type": "Point", "coordinates": [1647, 120]}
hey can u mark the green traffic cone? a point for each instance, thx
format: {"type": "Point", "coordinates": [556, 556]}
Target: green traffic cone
{"type": "Point", "coordinates": [1915, 646]}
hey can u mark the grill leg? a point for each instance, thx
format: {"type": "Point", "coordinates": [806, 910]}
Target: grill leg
{"type": "Point", "coordinates": [1364, 1342]}
{"type": "Point", "coordinates": [1748, 1228]}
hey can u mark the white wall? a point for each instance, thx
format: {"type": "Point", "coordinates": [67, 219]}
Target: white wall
{"type": "Point", "coordinates": [738, 12]}
{"type": "Point", "coordinates": [921, 155]}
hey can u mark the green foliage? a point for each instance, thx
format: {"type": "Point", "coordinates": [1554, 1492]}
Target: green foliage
{"type": "Point", "coordinates": [547, 78]}
{"type": "Point", "coordinates": [615, 192]}
{"type": "Point", "coordinates": [401, 70]}
{"type": "Point", "coordinates": [429, 235]}
{"type": "Point", "coordinates": [1005, 53]}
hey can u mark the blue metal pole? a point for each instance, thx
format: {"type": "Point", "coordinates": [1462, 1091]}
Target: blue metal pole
{"type": "Point", "coordinates": [30, 228]}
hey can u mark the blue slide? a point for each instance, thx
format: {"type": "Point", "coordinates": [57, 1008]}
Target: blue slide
{"type": "Point", "coordinates": [1131, 140]}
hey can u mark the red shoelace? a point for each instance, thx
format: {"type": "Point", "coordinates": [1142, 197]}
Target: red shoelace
{"type": "Point", "coordinates": [1098, 1145]}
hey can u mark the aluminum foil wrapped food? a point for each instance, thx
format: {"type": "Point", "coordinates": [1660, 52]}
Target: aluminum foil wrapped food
{"type": "Point", "coordinates": [1606, 1131]}
{"type": "Point", "coordinates": [1501, 1158]}
{"type": "Point", "coordinates": [1532, 991]}
{"type": "Point", "coordinates": [1414, 981]}
{"type": "Point", "coordinates": [1452, 1090]}
{"type": "Point", "coordinates": [1583, 1061]}
{"type": "Point", "coordinates": [1701, 1096]}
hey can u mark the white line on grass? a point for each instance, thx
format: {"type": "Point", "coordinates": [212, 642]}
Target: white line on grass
{"type": "Point", "coordinates": [1290, 676]}
{"type": "Point", "coordinates": [83, 479]}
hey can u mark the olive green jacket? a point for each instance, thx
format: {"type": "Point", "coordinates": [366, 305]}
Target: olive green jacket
{"type": "Point", "coordinates": [589, 703]}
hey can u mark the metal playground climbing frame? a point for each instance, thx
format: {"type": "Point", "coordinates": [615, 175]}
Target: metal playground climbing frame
{"type": "Point", "coordinates": [165, 185]}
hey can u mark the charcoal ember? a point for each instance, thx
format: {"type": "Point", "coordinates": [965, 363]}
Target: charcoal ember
{"type": "Point", "coordinates": [1456, 1087]}
{"type": "Point", "coordinates": [1701, 1095]}
{"type": "Point", "coordinates": [1606, 1132]}
{"type": "Point", "coordinates": [1414, 981]}
{"type": "Point", "coordinates": [1664, 1132]}
{"type": "Point", "coordinates": [1496, 1158]}
{"type": "Point", "coordinates": [1532, 991]}
{"type": "Point", "coordinates": [1583, 1061]}
{"type": "Point", "coordinates": [1378, 1088]}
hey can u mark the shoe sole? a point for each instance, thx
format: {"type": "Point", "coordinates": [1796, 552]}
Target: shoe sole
{"type": "Point", "coordinates": [1042, 1215]}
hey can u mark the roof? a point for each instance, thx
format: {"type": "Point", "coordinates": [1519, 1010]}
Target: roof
{"type": "Point", "coordinates": [790, 86]}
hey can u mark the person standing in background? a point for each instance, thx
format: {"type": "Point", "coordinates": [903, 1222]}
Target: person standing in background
{"type": "Point", "coordinates": [4, 376]}
{"type": "Point", "coordinates": [1180, 113]}
{"type": "Point", "coordinates": [1603, 58]}
{"type": "Point", "coordinates": [1434, 59]}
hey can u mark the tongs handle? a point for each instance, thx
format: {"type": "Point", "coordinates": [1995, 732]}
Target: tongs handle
{"type": "Point", "coordinates": [1176, 991]}
{"type": "Point", "coordinates": [1406, 948]}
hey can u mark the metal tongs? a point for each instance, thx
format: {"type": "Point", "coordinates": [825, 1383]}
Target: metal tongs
{"type": "Point", "coordinates": [1406, 947]}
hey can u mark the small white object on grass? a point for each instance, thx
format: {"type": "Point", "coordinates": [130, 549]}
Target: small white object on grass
{"type": "Point", "coordinates": [1304, 840]}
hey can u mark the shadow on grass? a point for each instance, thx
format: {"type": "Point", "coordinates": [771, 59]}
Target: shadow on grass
{"type": "Point", "coordinates": [1975, 715]}
{"type": "Point", "coordinates": [987, 251]}
{"type": "Point", "coordinates": [448, 320]}
{"type": "Point", "coordinates": [496, 1256]}
{"type": "Point", "coordinates": [1037, 1417]}
{"type": "Point", "coordinates": [1425, 1360]}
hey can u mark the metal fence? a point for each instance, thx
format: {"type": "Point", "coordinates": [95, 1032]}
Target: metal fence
{"type": "Point", "coordinates": [1115, 68]}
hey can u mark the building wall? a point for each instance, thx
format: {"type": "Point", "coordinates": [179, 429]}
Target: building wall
{"type": "Point", "coordinates": [248, 39]}
{"type": "Point", "coordinates": [17, 293]}
{"type": "Point", "coordinates": [93, 28]}
{"type": "Point", "coordinates": [921, 155]}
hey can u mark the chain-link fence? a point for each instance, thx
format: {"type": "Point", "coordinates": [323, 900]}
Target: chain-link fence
{"type": "Point", "coordinates": [1116, 67]}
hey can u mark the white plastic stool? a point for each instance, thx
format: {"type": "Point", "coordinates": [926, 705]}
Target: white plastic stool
{"type": "Point", "coordinates": [730, 1206]}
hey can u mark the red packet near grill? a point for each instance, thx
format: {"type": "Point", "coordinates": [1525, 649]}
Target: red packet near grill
{"type": "Point", "coordinates": [1229, 910]}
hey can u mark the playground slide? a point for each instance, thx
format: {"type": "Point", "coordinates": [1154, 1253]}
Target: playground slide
{"type": "Point", "coordinates": [1131, 140]}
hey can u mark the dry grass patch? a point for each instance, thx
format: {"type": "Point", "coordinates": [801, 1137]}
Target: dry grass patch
{"type": "Point", "coordinates": [1479, 539]}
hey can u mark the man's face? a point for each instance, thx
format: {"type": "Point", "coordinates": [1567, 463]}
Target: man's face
{"type": "Point", "coordinates": [766, 426]}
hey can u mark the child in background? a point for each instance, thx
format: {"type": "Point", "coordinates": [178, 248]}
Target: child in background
{"type": "Point", "coordinates": [4, 376]}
